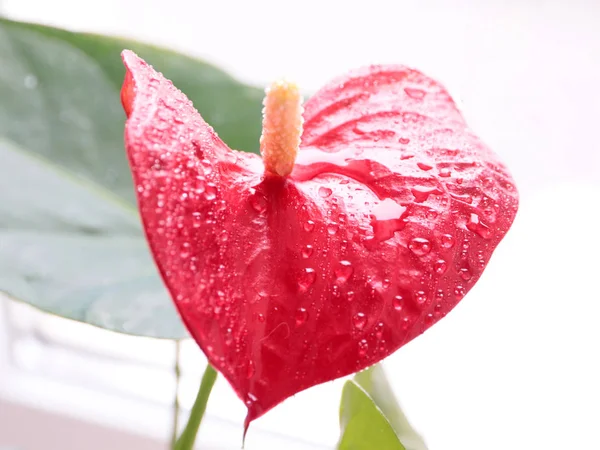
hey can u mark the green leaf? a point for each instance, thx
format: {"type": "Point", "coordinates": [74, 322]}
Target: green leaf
{"type": "Point", "coordinates": [375, 384]}
{"type": "Point", "coordinates": [363, 425]}
{"type": "Point", "coordinates": [70, 238]}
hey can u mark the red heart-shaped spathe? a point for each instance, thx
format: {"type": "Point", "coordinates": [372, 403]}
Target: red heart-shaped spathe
{"type": "Point", "coordinates": [391, 214]}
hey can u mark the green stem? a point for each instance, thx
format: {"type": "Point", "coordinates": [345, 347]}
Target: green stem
{"type": "Point", "coordinates": [177, 369]}
{"type": "Point", "coordinates": [188, 436]}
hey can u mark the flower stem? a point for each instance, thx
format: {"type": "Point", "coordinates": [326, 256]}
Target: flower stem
{"type": "Point", "coordinates": [188, 436]}
{"type": "Point", "coordinates": [177, 370]}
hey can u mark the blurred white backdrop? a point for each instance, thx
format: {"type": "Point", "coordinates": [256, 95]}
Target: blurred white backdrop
{"type": "Point", "coordinates": [515, 366]}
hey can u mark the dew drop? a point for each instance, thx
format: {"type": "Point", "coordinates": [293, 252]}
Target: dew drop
{"type": "Point", "coordinates": [260, 317]}
{"type": "Point", "coordinates": [465, 274]}
{"type": "Point", "coordinates": [432, 214]}
{"type": "Point", "coordinates": [358, 130]}
{"type": "Point", "coordinates": [258, 203]}
{"type": "Point", "coordinates": [343, 272]}
{"type": "Point", "coordinates": [447, 241]}
{"type": "Point", "coordinates": [405, 323]}
{"type": "Point", "coordinates": [429, 319]}
{"type": "Point", "coordinates": [309, 225]}
{"type": "Point", "coordinates": [350, 296]}
{"type": "Point", "coordinates": [459, 291]}
{"type": "Point", "coordinates": [210, 192]}
{"type": "Point", "coordinates": [476, 226]}
{"type": "Point", "coordinates": [420, 297]}
{"type": "Point", "coordinates": [445, 172]}
{"type": "Point", "coordinates": [419, 246]}
{"type": "Point", "coordinates": [250, 400]}
{"type": "Point", "coordinates": [307, 251]}
{"type": "Point", "coordinates": [363, 348]}
{"type": "Point", "coordinates": [306, 279]}
{"type": "Point", "coordinates": [398, 302]}
{"type": "Point", "coordinates": [250, 370]}
{"type": "Point", "coordinates": [324, 192]}
{"type": "Point", "coordinates": [404, 141]}
{"type": "Point", "coordinates": [359, 320]}
{"type": "Point", "coordinates": [385, 284]}
{"type": "Point", "coordinates": [301, 316]}
{"type": "Point", "coordinates": [332, 228]}
{"type": "Point", "coordinates": [335, 291]}
{"type": "Point", "coordinates": [422, 193]}
{"type": "Point", "coordinates": [379, 330]}
{"type": "Point", "coordinates": [207, 166]}
{"type": "Point", "coordinates": [440, 267]}
{"type": "Point", "coordinates": [415, 93]}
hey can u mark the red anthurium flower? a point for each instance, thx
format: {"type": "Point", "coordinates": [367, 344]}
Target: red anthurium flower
{"type": "Point", "coordinates": [321, 259]}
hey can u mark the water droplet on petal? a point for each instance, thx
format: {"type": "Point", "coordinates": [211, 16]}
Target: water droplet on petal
{"type": "Point", "coordinates": [422, 193]}
{"type": "Point", "coordinates": [359, 320]}
{"type": "Point", "coordinates": [250, 400]}
{"type": "Point", "coordinates": [332, 228]}
{"type": "Point", "coordinates": [350, 295]}
{"type": "Point", "coordinates": [475, 225]}
{"type": "Point", "coordinates": [343, 272]}
{"type": "Point", "coordinates": [459, 291]}
{"type": "Point", "coordinates": [404, 141]}
{"type": "Point", "coordinates": [419, 246]}
{"type": "Point", "coordinates": [379, 330]}
{"type": "Point", "coordinates": [447, 241]}
{"type": "Point", "coordinates": [445, 173]}
{"type": "Point", "coordinates": [250, 370]}
{"type": "Point", "coordinates": [260, 317]}
{"type": "Point", "coordinates": [421, 297]}
{"type": "Point", "coordinates": [301, 316]}
{"type": "Point", "coordinates": [440, 266]}
{"type": "Point", "coordinates": [415, 93]}
{"type": "Point", "coordinates": [465, 274]}
{"type": "Point", "coordinates": [398, 302]}
{"type": "Point", "coordinates": [258, 202]}
{"type": "Point", "coordinates": [307, 251]}
{"type": "Point", "coordinates": [309, 225]}
{"type": "Point", "coordinates": [363, 348]}
{"type": "Point", "coordinates": [324, 192]}
{"type": "Point", "coordinates": [211, 191]}
{"type": "Point", "coordinates": [306, 279]}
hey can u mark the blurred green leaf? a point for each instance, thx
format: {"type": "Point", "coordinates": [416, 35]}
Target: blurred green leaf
{"type": "Point", "coordinates": [376, 385]}
{"type": "Point", "coordinates": [70, 238]}
{"type": "Point", "coordinates": [363, 425]}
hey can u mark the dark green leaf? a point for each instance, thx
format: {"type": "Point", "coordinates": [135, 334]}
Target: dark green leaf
{"type": "Point", "coordinates": [70, 239]}
{"type": "Point", "coordinates": [376, 385]}
{"type": "Point", "coordinates": [363, 425]}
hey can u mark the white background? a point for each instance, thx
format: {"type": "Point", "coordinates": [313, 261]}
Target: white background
{"type": "Point", "coordinates": [515, 366]}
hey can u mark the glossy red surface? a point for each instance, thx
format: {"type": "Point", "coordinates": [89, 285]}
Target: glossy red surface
{"type": "Point", "coordinates": [390, 216]}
